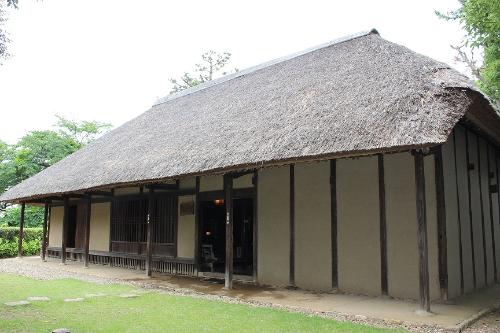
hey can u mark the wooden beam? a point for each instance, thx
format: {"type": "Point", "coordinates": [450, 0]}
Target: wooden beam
{"type": "Point", "coordinates": [441, 222]}
{"type": "Point", "coordinates": [228, 189]}
{"type": "Point", "coordinates": [163, 186]}
{"type": "Point", "coordinates": [44, 230]}
{"type": "Point", "coordinates": [383, 226]}
{"type": "Point", "coordinates": [88, 213]}
{"type": "Point", "coordinates": [64, 230]}
{"type": "Point", "coordinates": [334, 224]}
{"type": "Point", "coordinates": [291, 276]}
{"type": "Point", "coordinates": [197, 229]}
{"type": "Point", "coordinates": [100, 193]}
{"type": "Point", "coordinates": [21, 231]}
{"type": "Point", "coordinates": [149, 237]}
{"type": "Point", "coordinates": [424, 296]}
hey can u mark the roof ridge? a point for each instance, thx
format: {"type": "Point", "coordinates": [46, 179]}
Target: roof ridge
{"type": "Point", "coordinates": [267, 64]}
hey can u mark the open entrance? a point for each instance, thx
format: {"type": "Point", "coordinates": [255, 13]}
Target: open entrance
{"type": "Point", "coordinates": [75, 231]}
{"type": "Point", "coordinates": [213, 236]}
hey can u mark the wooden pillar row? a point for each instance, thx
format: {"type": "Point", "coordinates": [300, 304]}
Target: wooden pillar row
{"type": "Point", "coordinates": [228, 190]}
{"type": "Point", "coordinates": [44, 231]}
{"type": "Point", "coordinates": [424, 294]}
{"type": "Point", "coordinates": [21, 231]}
{"type": "Point", "coordinates": [88, 213]}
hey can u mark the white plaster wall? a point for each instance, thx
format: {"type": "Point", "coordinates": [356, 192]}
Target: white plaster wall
{"type": "Point", "coordinates": [402, 255]}
{"type": "Point", "coordinates": [211, 183]}
{"type": "Point", "coordinates": [495, 207]}
{"type": "Point", "coordinates": [432, 229]}
{"type": "Point", "coordinates": [485, 194]}
{"type": "Point", "coordinates": [477, 222]}
{"type": "Point", "coordinates": [452, 219]}
{"type": "Point", "coordinates": [187, 183]}
{"type": "Point", "coordinates": [464, 208]}
{"type": "Point", "coordinates": [56, 222]}
{"type": "Point", "coordinates": [273, 199]}
{"type": "Point", "coordinates": [100, 219]}
{"type": "Point", "coordinates": [243, 181]}
{"type": "Point", "coordinates": [358, 218]}
{"type": "Point", "coordinates": [185, 231]}
{"type": "Point", "coordinates": [313, 261]}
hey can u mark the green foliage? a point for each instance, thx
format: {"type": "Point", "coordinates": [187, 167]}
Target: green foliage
{"type": "Point", "coordinates": [481, 22]}
{"type": "Point", "coordinates": [38, 150]}
{"type": "Point", "coordinates": [11, 234]}
{"type": "Point", "coordinates": [33, 216]}
{"type": "Point", "coordinates": [9, 241]}
{"type": "Point", "coordinates": [80, 132]}
{"type": "Point", "coordinates": [9, 249]}
{"type": "Point", "coordinates": [212, 64]}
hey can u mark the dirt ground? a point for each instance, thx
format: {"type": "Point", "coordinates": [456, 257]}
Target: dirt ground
{"type": "Point", "coordinates": [488, 324]}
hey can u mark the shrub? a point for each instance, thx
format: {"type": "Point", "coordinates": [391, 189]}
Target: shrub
{"type": "Point", "coordinates": [9, 241]}
{"type": "Point", "coordinates": [9, 233]}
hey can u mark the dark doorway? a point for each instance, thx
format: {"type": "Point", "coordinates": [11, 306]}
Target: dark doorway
{"type": "Point", "coordinates": [213, 236]}
{"type": "Point", "coordinates": [72, 222]}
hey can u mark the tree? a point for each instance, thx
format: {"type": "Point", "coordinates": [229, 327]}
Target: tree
{"type": "Point", "coordinates": [212, 65]}
{"type": "Point", "coordinates": [38, 150]}
{"type": "Point", "coordinates": [81, 132]}
{"type": "Point", "coordinates": [481, 21]}
{"type": "Point", "coordinates": [4, 38]}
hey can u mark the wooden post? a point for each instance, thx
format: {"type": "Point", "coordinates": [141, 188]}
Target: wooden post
{"type": "Point", "coordinates": [228, 189]}
{"type": "Point", "coordinates": [255, 182]}
{"type": "Point", "coordinates": [45, 233]}
{"type": "Point", "coordinates": [197, 229]}
{"type": "Point", "coordinates": [88, 212]}
{"type": "Point", "coordinates": [291, 277]}
{"type": "Point", "coordinates": [149, 245]}
{"type": "Point", "coordinates": [64, 229]}
{"type": "Point", "coordinates": [424, 298]}
{"type": "Point", "coordinates": [21, 231]}
{"type": "Point", "coordinates": [383, 226]}
{"type": "Point", "coordinates": [333, 224]}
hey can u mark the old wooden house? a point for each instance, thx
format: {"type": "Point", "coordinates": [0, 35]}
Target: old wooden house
{"type": "Point", "coordinates": [358, 166]}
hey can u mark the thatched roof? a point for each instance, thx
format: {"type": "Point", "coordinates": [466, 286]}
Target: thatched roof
{"type": "Point", "coordinates": [353, 96]}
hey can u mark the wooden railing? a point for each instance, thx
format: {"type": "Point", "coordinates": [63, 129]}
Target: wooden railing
{"type": "Point", "coordinates": [175, 266]}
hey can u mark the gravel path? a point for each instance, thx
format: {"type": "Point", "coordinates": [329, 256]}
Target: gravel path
{"type": "Point", "coordinates": [488, 324]}
{"type": "Point", "coordinates": [40, 272]}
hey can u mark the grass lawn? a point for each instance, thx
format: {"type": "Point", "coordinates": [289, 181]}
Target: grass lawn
{"type": "Point", "coordinates": [149, 312]}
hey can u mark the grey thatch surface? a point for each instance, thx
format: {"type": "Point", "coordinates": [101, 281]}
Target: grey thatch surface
{"type": "Point", "coordinates": [354, 96]}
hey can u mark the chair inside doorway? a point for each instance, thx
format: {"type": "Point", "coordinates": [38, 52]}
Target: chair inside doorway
{"type": "Point", "coordinates": [213, 236]}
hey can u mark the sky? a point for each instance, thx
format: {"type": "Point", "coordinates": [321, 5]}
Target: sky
{"type": "Point", "coordinates": [111, 60]}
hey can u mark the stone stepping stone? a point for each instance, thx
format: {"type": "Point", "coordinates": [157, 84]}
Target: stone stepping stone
{"type": "Point", "coordinates": [129, 295]}
{"type": "Point", "coordinates": [18, 303]}
{"type": "Point", "coordinates": [96, 295]}
{"type": "Point", "coordinates": [38, 298]}
{"type": "Point", "coordinates": [78, 299]}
